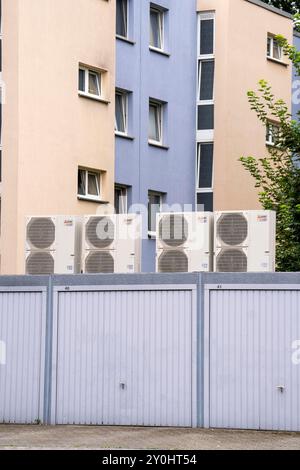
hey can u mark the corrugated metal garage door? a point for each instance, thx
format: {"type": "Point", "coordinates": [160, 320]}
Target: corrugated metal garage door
{"type": "Point", "coordinates": [22, 351]}
{"type": "Point", "coordinates": [253, 359]}
{"type": "Point", "coordinates": [125, 357]}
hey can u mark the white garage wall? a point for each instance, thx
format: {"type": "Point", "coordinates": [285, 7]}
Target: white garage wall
{"type": "Point", "coordinates": [125, 356]}
{"type": "Point", "coordinates": [252, 379]}
{"type": "Point", "coordinates": [22, 337]}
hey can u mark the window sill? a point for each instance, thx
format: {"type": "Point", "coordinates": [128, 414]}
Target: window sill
{"type": "Point", "coordinates": [93, 97]}
{"type": "Point", "coordinates": [122, 38]}
{"type": "Point", "coordinates": [124, 136]}
{"type": "Point", "coordinates": [91, 199]}
{"type": "Point", "coordinates": [159, 51]}
{"type": "Point", "coordinates": [276, 61]}
{"type": "Point", "coordinates": [157, 145]}
{"type": "Point", "coordinates": [152, 235]}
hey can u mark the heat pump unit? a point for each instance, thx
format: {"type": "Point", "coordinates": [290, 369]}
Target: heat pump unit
{"type": "Point", "coordinates": [112, 243]}
{"type": "Point", "coordinates": [244, 241]}
{"type": "Point", "coordinates": [184, 242]}
{"type": "Point", "coordinates": [53, 245]}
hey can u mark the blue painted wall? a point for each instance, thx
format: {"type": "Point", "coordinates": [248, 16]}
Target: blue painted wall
{"type": "Point", "coordinates": [296, 82]}
{"type": "Point", "coordinates": [168, 78]}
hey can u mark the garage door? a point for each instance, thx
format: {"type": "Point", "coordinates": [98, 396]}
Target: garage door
{"type": "Point", "coordinates": [253, 359]}
{"type": "Point", "coordinates": [126, 357]}
{"type": "Point", "coordinates": [22, 354]}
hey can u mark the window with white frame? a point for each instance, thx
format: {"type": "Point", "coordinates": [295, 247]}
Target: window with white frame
{"type": "Point", "coordinates": [205, 151]}
{"type": "Point", "coordinates": [155, 200]}
{"type": "Point", "coordinates": [122, 18]}
{"type": "Point", "coordinates": [89, 182]}
{"type": "Point", "coordinates": [89, 82]}
{"type": "Point", "coordinates": [156, 27]}
{"type": "Point", "coordinates": [121, 118]}
{"type": "Point", "coordinates": [274, 50]}
{"type": "Point", "coordinates": [121, 199]}
{"type": "Point", "coordinates": [155, 122]}
{"type": "Point", "coordinates": [272, 133]}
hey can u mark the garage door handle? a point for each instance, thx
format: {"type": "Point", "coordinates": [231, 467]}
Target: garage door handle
{"type": "Point", "coordinates": [281, 388]}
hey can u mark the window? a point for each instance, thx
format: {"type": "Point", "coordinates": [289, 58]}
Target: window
{"type": "Point", "coordinates": [155, 121]}
{"type": "Point", "coordinates": [206, 80]}
{"type": "Point", "coordinates": [154, 208]}
{"type": "Point", "coordinates": [89, 82]}
{"type": "Point", "coordinates": [205, 117]}
{"type": "Point", "coordinates": [205, 165]}
{"type": "Point", "coordinates": [156, 28]}
{"type": "Point", "coordinates": [120, 199]}
{"type": "Point", "coordinates": [205, 201]}
{"type": "Point", "coordinates": [272, 133]}
{"type": "Point", "coordinates": [274, 50]}
{"type": "Point", "coordinates": [206, 34]}
{"type": "Point", "coordinates": [88, 184]}
{"type": "Point", "coordinates": [122, 18]}
{"type": "Point", "coordinates": [121, 112]}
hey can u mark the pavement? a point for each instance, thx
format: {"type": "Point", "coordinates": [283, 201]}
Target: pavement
{"type": "Point", "coordinates": [92, 437]}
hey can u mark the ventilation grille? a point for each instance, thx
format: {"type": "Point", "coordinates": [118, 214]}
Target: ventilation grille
{"type": "Point", "coordinates": [173, 261]}
{"type": "Point", "coordinates": [232, 261]}
{"type": "Point", "coordinates": [173, 230]}
{"type": "Point", "coordinates": [232, 229]}
{"type": "Point", "coordinates": [41, 233]}
{"type": "Point", "coordinates": [99, 262]}
{"type": "Point", "coordinates": [100, 232]}
{"type": "Point", "coordinates": [40, 263]}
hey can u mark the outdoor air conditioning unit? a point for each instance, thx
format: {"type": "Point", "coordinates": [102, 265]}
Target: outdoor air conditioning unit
{"type": "Point", "coordinates": [184, 242]}
{"type": "Point", "coordinates": [245, 241]}
{"type": "Point", "coordinates": [112, 244]}
{"type": "Point", "coordinates": [53, 245]}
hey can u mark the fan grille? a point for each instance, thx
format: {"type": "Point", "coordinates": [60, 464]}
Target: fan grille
{"type": "Point", "coordinates": [100, 232]}
{"type": "Point", "coordinates": [173, 230]}
{"type": "Point", "coordinates": [232, 229]}
{"type": "Point", "coordinates": [41, 232]}
{"type": "Point", "coordinates": [40, 263]}
{"type": "Point", "coordinates": [173, 261]}
{"type": "Point", "coordinates": [99, 262]}
{"type": "Point", "coordinates": [232, 261]}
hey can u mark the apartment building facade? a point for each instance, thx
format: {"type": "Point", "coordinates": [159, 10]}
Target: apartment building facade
{"type": "Point", "coordinates": [236, 48]}
{"type": "Point", "coordinates": [296, 82]}
{"type": "Point", "coordinates": [155, 110]}
{"type": "Point", "coordinates": [58, 117]}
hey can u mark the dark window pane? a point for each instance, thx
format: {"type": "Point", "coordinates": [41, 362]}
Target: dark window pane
{"type": "Point", "coordinates": [206, 70]}
{"type": "Point", "coordinates": [81, 78]}
{"type": "Point", "coordinates": [206, 117]}
{"type": "Point", "coordinates": [207, 37]}
{"type": "Point", "coordinates": [121, 18]}
{"type": "Point", "coordinates": [205, 160]}
{"type": "Point", "coordinates": [81, 183]}
{"type": "Point", "coordinates": [154, 205]}
{"type": "Point", "coordinates": [205, 202]}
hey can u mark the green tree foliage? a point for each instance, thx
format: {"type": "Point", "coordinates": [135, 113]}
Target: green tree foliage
{"type": "Point", "coordinates": [277, 175]}
{"type": "Point", "coordinates": [286, 5]}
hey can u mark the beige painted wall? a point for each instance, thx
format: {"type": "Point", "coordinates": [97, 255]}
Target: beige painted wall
{"type": "Point", "coordinates": [241, 45]}
{"type": "Point", "coordinates": [48, 129]}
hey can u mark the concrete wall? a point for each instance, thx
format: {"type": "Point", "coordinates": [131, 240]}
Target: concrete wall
{"type": "Point", "coordinates": [171, 79]}
{"type": "Point", "coordinates": [241, 61]}
{"type": "Point", "coordinates": [48, 129]}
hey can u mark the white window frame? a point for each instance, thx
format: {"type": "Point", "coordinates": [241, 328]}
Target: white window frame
{"type": "Point", "coordinates": [87, 196]}
{"type": "Point", "coordinates": [87, 71]}
{"type": "Point", "coordinates": [270, 141]}
{"type": "Point", "coordinates": [160, 109]}
{"type": "Point", "coordinates": [202, 16]}
{"type": "Point", "coordinates": [212, 100]}
{"type": "Point", "coordinates": [270, 55]}
{"type": "Point", "coordinates": [161, 24]}
{"type": "Point", "coordinates": [127, 22]}
{"type": "Point", "coordinates": [124, 197]}
{"type": "Point", "coordinates": [198, 164]}
{"type": "Point", "coordinates": [124, 95]}
{"type": "Point", "coordinates": [151, 233]}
